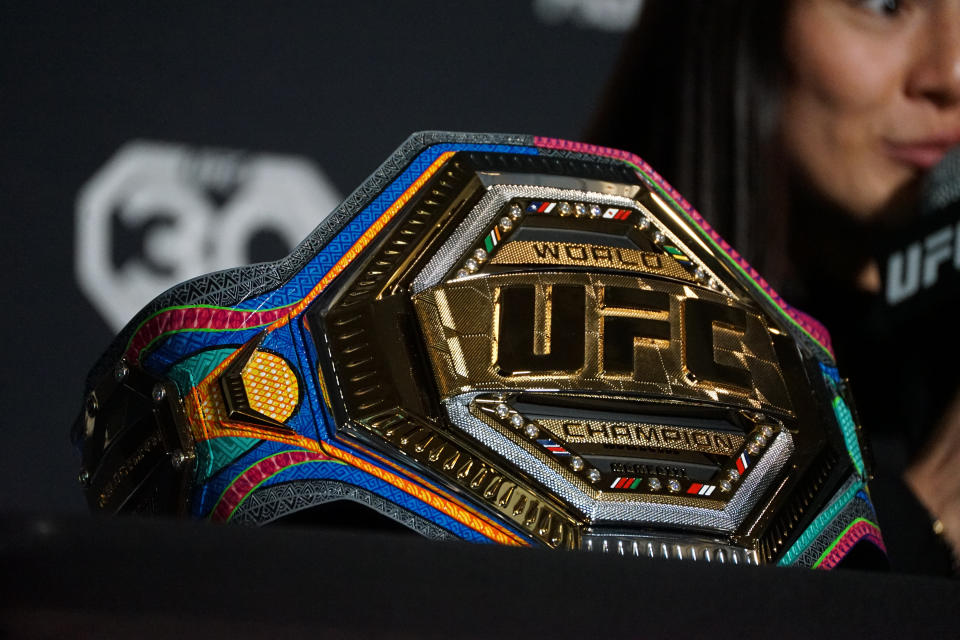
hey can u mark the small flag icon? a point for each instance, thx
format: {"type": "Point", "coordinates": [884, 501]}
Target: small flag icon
{"type": "Point", "coordinates": [553, 447]}
{"type": "Point", "coordinates": [701, 489]}
{"type": "Point", "coordinates": [743, 463]}
{"type": "Point", "coordinates": [616, 214]}
{"type": "Point", "coordinates": [541, 207]}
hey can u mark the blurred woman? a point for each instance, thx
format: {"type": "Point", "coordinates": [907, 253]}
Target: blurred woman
{"type": "Point", "coordinates": [803, 130]}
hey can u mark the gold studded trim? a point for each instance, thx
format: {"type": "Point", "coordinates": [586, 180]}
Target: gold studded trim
{"type": "Point", "coordinates": [479, 477]}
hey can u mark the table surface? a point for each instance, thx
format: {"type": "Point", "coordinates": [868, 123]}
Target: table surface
{"type": "Point", "coordinates": [85, 577]}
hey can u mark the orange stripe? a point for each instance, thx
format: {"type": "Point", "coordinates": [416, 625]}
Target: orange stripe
{"type": "Point", "coordinates": [435, 489]}
{"type": "Point", "coordinates": [450, 508]}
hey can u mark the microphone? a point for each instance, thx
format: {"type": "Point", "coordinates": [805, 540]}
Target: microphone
{"type": "Point", "coordinates": [916, 315]}
{"type": "Point", "coordinates": [921, 271]}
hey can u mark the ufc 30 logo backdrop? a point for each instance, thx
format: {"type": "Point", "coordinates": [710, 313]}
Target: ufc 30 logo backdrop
{"type": "Point", "coordinates": [157, 214]}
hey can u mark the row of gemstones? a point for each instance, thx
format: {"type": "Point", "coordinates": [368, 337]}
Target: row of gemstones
{"type": "Point", "coordinates": [729, 476]}
{"type": "Point", "coordinates": [755, 444]}
{"type": "Point", "coordinates": [532, 431]}
{"type": "Point", "coordinates": [504, 226]}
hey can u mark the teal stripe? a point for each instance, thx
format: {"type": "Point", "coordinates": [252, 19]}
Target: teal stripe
{"type": "Point", "coordinates": [849, 428]}
{"type": "Point", "coordinates": [188, 373]}
{"type": "Point", "coordinates": [217, 453]}
{"type": "Point", "coordinates": [818, 525]}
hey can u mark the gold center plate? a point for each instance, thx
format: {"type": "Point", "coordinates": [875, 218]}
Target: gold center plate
{"type": "Point", "coordinates": [574, 334]}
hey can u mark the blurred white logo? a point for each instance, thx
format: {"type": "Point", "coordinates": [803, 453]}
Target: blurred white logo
{"type": "Point", "coordinates": [606, 15]}
{"type": "Point", "coordinates": [158, 214]}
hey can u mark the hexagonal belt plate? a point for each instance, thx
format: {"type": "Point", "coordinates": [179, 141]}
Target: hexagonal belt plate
{"type": "Point", "coordinates": [564, 348]}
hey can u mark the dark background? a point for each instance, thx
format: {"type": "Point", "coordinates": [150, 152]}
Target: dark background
{"type": "Point", "coordinates": [339, 83]}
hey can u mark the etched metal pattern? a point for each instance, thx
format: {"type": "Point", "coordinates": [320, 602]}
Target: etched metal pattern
{"type": "Point", "coordinates": [779, 530]}
{"type": "Point", "coordinates": [858, 507]}
{"type": "Point", "coordinates": [595, 256]}
{"type": "Point", "coordinates": [838, 503]}
{"type": "Point", "coordinates": [650, 435]}
{"type": "Point", "coordinates": [485, 480]}
{"type": "Point", "coordinates": [276, 501]}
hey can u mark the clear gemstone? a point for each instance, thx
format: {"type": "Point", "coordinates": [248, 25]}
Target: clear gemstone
{"type": "Point", "coordinates": [178, 459]}
{"type": "Point", "coordinates": [725, 485]}
{"type": "Point", "coordinates": [654, 484]}
{"type": "Point", "coordinates": [699, 274]}
{"type": "Point", "coordinates": [593, 476]}
{"type": "Point", "coordinates": [673, 484]}
{"type": "Point", "coordinates": [576, 463]}
{"type": "Point", "coordinates": [767, 431]}
{"type": "Point", "coordinates": [506, 223]}
{"type": "Point", "coordinates": [643, 222]}
{"type": "Point", "coordinates": [658, 236]}
{"type": "Point", "coordinates": [471, 265]}
{"type": "Point", "coordinates": [531, 430]}
{"type": "Point", "coordinates": [565, 209]}
{"type": "Point", "coordinates": [515, 212]}
{"type": "Point", "coordinates": [479, 255]}
{"type": "Point", "coordinates": [594, 211]}
{"type": "Point", "coordinates": [581, 209]}
{"type": "Point", "coordinates": [760, 440]}
{"type": "Point", "coordinates": [516, 420]}
{"type": "Point", "coordinates": [733, 474]}
{"type": "Point", "coordinates": [462, 273]}
{"type": "Point", "coordinates": [502, 410]}
{"type": "Point", "coordinates": [753, 448]}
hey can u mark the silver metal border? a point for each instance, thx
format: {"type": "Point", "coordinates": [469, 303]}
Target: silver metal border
{"type": "Point", "coordinates": [483, 213]}
{"type": "Point", "coordinates": [726, 520]}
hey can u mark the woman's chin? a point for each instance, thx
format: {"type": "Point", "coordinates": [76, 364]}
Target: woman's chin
{"type": "Point", "coordinates": [880, 207]}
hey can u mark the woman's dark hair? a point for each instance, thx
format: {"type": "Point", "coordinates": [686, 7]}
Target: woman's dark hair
{"type": "Point", "coordinates": [695, 93]}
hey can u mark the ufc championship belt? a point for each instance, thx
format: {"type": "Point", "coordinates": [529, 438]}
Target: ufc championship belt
{"type": "Point", "coordinates": [496, 338]}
